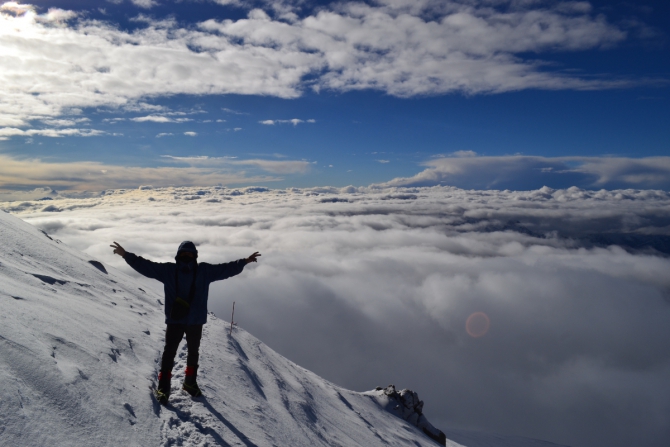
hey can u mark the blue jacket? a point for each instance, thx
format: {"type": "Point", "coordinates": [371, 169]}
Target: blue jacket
{"type": "Point", "coordinates": [165, 272]}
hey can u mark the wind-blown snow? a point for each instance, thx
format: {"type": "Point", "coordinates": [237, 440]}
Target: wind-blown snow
{"type": "Point", "coordinates": [79, 344]}
{"type": "Point", "coordinates": [369, 286]}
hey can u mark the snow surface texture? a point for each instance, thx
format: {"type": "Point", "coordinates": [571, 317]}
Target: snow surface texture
{"type": "Point", "coordinates": [369, 286]}
{"type": "Point", "coordinates": [79, 346]}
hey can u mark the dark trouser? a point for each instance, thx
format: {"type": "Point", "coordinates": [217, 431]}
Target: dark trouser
{"type": "Point", "coordinates": [173, 335]}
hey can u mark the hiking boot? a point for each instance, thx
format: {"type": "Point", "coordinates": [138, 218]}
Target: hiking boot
{"type": "Point", "coordinates": [190, 385]}
{"type": "Point", "coordinates": [163, 389]}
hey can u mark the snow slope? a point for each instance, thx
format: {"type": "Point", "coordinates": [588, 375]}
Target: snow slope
{"type": "Point", "coordinates": [79, 348]}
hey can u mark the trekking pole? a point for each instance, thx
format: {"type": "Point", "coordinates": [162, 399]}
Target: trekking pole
{"type": "Point", "coordinates": [232, 319]}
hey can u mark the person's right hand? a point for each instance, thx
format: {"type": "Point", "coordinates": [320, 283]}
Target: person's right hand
{"type": "Point", "coordinates": [252, 258]}
{"type": "Point", "coordinates": [118, 249]}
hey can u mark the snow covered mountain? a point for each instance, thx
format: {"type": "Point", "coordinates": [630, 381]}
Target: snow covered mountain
{"type": "Point", "coordinates": [79, 349]}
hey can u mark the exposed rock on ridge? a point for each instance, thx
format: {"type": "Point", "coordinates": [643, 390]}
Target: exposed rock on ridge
{"type": "Point", "coordinates": [407, 405]}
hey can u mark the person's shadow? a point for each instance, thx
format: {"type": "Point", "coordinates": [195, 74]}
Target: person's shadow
{"type": "Point", "coordinates": [206, 430]}
{"type": "Point", "coordinates": [242, 437]}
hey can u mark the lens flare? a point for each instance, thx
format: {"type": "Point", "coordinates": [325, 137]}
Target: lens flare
{"type": "Point", "coordinates": [477, 324]}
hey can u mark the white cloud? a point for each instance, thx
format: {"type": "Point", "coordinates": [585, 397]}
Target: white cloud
{"type": "Point", "coordinates": [55, 62]}
{"type": "Point", "coordinates": [229, 2]}
{"type": "Point", "coordinates": [146, 4]}
{"type": "Point", "coordinates": [16, 8]}
{"type": "Point", "coordinates": [164, 134]}
{"type": "Point", "coordinates": [159, 119]}
{"type": "Point", "coordinates": [294, 121]}
{"type": "Point", "coordinates": [466, 170]}
{"type": "Point", "coordinates": [191, 134]}
{"type": "Point", "coordinates": [272, 166]}
{"type": "Point", "coordinates": [383, 161]}
{"type": "Point", "coordinates": [54, 16]}
{"type": "Point", "coordinates": [469, 48]}
{"type": "Point", "coordinates": [277, 167]}
{"type": "Point", "coordinates": [358, 276]}
{"type": "Point", "coordinates": [464, 154]}
{"type": "Point", "coordinates": [65, 122]}
{"type": "Point", "coordinates": [642, 172]}
{"type": "Point", "coordinates": [57, 15]}
{"type": "Point", "coordinates": [234, 112]}
{"type": "Point", "coordinates": [195, 159]}
{"type": "Point", "coordinates": [54, 133]}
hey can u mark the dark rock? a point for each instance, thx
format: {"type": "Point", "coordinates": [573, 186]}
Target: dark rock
{"type": "Point", "coordinates": [406, 405]}
{"type": "Point", "coordinates": [98, 265]}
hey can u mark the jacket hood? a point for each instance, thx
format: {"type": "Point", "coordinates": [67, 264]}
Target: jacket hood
{"type": "Point", "coordinates": [188, 246]}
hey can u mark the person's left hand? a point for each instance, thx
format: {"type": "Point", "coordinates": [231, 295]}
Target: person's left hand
{"type": "Point", "coordinates": [253, 257]}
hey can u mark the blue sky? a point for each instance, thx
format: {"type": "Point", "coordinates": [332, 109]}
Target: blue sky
{"type": "Point", "coordinates": [382, 91]}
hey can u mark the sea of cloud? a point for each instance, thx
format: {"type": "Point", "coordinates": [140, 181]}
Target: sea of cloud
{"type": "Point", "coordinates": [373, 286]}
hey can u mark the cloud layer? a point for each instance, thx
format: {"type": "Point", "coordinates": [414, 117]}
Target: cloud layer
{"type": "Point", "coordinates": [374, 286]}
{"type": "Point", "coordinates": [59, 62]}
{"type": "Point", "coordinates": [467, 170]}
{"type": "Point", "coordinates": [22, 174]}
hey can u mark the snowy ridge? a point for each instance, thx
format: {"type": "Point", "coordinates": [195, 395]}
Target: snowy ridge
{"type": "Point", "coordinates": [77, 346]}
{"type": "Point", "coordinates": [273, 401]}
{"type": "Point", "coordinates": [79, 349]}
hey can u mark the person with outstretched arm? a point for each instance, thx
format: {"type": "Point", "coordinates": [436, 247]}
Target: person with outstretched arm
{"type": "Point", "coordinates": [186, 284]}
